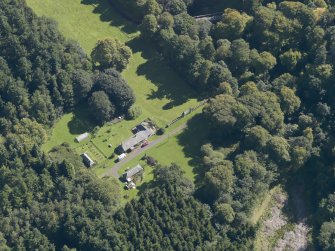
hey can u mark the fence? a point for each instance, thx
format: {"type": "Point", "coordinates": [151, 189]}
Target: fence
{"type": "Point", "coordinates": [189, 111]}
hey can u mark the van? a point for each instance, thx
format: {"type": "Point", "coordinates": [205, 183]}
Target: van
{"type": "Point", "coordinates": [121, 156]}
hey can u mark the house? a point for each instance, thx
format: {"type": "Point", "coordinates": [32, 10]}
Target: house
{"type": "Point", "coordinates": [87, 160]}
{"type": "Point", "coordinates": [82, 137]}
{"type": "Point", "coordinates": [129, 175]}
{"type": "Point", "coordinates": [142, 135]}
{"type": "Point", "coordinates": [141, 127]}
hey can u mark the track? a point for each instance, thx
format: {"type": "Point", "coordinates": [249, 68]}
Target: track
{"type": "Point", "coordinates": [115, 169]}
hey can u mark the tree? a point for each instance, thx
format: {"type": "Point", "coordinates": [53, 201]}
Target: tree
{"type": "Point", "coordinates": [278, 148]}
{"type": "Point", "coordinates": [149, 26]}
{"type": "Point", "coordinates": [327, 235]}
{"type": "Point", "coordinates": [117, 89]}
{"type": "Point", "coordinates": [184, 24]}
{"type": "Point", "coordinates": [224, 213]}
{"type": "Point", "coordinates": [262, 62]}
{"type": "Point", "coordinates": [30, 132]}
{"type": "Point", "coordinates": [175, 7]}
{"type": "Point", "coordinates": [101, 106]}
{"type": "Point", "coordinates": [42, 109]}
{"type": "Point", "coordinates": [232, 25]}
{"type": "Point", "coordinates": [227, 114]}
{"type": "Point", "coordinates": [152, 8]}
{"type": "Point", "coordinates": [82, 84]}
{"type": "Point", "coordinates": [223, 51]}
{"type": "Point", "coordinates": [220, 178]}
{"type": "Point", "coordinates": [257, 137]}
{"type": "Point", "coordinates": [290, 59]}
{"type": "Point", "coordinates": [111, 53]}
{"type": "Point", "coordinates": [240, 55]}
{"type": "Point", "coordinates": [134, 112]}
{"type": "Point", "coordinates": [166, 20]}
{"type": "Point", "coordinates": [206, 48]}
{"type": "Point", "coordinates": [290, 103]}
{"type": "Point", "coordinates": [264, 108]}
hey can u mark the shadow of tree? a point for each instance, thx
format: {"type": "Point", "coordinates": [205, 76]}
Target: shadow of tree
{"type": "Point", "coordinates": [169, 84]}
{"type": "Point", "coordinates": [81, 121]}
{"type": "Point", "coordinates": [192, 138]}
{"type": "Point", "coordinates": [108, 14]}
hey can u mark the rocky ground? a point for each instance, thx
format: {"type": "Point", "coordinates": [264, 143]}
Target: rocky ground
{"type": "Point", "coordinates": [278, 232]}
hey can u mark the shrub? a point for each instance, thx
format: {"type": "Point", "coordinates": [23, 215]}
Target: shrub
{"type": "Point", "coordinates": [161, 131]}
{"type": "Point", "coordinates": [134, 112]}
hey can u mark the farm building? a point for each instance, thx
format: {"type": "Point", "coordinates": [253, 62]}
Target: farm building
{"type": "Point", "coordinates": [87, 160]}
{"type": "Point", "coordinates": [141, 135]}
{"type": "Point", "coordinates": [82, 137]}
{"type": "Point", "coordinates": [128, 176]}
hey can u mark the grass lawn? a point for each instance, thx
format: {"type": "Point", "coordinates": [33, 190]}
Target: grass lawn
{"type": "Point", "coordinates": [159, 91]}
{"type": "Point", "coordinates": [167, 152]}
{"type": "Point", "coordinates": [182, 149]}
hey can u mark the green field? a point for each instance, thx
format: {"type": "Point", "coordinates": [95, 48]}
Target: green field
{"type": "Point", "coordinates": [183, 149]}
{"type": "Point", "coordinates": [159, 91]}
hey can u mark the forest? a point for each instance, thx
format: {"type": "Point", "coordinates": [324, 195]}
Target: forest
{"type": "Point", "coordinates": [267, 68]}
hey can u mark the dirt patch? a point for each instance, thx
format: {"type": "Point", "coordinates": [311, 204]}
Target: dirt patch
{"type": "Point", "coordinates": [278, 232]}
{"type": "Point", "coordinates": [276, 219]}
{"type": "Point", "coordinates": [294, 240]}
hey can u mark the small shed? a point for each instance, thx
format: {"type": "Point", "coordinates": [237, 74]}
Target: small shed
{"type": "Point", "coordinates": [128, 176]}
{"type": "Point", "coordinates": [131, 185]}
{"type": "Point", "coordinates": [82, 137]}
{"type": "Point", "coordinates": [87, 160]}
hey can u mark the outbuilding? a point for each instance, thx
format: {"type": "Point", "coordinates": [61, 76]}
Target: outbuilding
{"type": "Point", "coordinates": [130, 174]}
{"type": "Point", "coordinates": [82, 137]}
{"type": "Point", "coordinates": [87, 160]}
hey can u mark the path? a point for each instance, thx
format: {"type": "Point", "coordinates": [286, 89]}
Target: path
{"type": "Point", "coordinates": [115, 169]}
{"type": "Point", "coordinates": [213, 17]}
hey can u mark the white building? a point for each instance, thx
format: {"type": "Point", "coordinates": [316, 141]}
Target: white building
{"type": "Point", "coordinates": [87, 160]}
{"type": "Point", "coordinates": [82, 137]}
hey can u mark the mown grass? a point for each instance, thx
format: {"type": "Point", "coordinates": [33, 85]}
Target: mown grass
{"type": "Point", "coordinates": [159, 91]}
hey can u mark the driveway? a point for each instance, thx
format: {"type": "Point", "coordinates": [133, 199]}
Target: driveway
{"type": "Point", "coordinates": [115, 169]}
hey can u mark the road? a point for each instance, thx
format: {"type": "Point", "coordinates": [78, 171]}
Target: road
{"type": "Point", "coordinates": [115, 169]}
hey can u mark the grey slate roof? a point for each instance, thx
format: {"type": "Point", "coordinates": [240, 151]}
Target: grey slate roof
{"type": "Point", "coordinates": [136, 139]}
{"type": "Point", "coordinates": [135, 170]}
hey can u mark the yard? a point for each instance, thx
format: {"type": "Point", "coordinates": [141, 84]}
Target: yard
{"type": "Point", "coordinates": [159, 91]}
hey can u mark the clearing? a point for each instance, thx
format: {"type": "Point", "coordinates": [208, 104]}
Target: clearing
{"type": "Point", "coordinates": [278, 230]}
{"type": "Point", "coordinates": [159, 91]}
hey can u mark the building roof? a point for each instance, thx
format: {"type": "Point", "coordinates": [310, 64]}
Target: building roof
{"type": "Point", "coordinates": [136, 139]}
{"type": "Point", "coordinates": [135, 170]}
{"type": "Point", "coordinates": [83, 136]}
{"type": "Point", "coordinates": [87, 159]}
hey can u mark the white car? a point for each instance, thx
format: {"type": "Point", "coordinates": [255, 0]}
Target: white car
{"type": "Point", "coordinates": [121, 156]}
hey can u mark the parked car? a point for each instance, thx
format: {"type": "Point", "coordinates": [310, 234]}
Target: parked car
{"type": "Point", "coordinates": [145, 144]}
